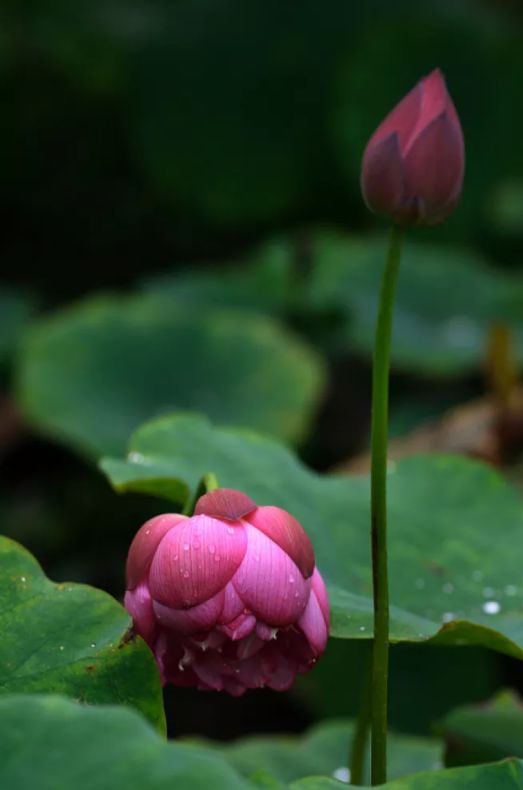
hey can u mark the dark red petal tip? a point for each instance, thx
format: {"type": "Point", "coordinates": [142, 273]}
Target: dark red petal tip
{"type": "Point", "coordinates": [225, 503]}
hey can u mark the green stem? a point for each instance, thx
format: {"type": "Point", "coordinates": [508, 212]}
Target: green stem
{"type": "Point", "coordinates": [210, 481]}
{"type": "Point", "coordinates": [361, 731]}
{"type": "Point", "coordinates": [380, 415]}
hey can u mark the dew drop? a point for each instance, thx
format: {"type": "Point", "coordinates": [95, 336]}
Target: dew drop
{"type": "Point", "coordinates": [491, 607]}
{"type": "Point", "coordinates": [212, 548]}
{"type": "Point", "coordinates": [362, 628]}
{"type": "Point", "coordinates": [342, 774]}
{"type": "Point", "coordinates": [147, 531]}
{"type": "Point", "coordinates": [61, 647]}
{"type": "Point", "coordinates": [23, 579]}
{"type": "Point", "coordinates": [175, 557]}
{"type": "Point", "coordinates": [447, 617]}
{"type": "Point", "coordinates": [186, 574]}
{"type": "Point", "coordinates": [217, 558]}
{"type": "Point", "coordinates": [488, 592]}
{"type": "Point", "coordinates": [93, 644]}
{"type": "Point", "coordinates": [230, 530]}
{"type": "Point", "coordinates": [448, 588]}
{"type": "Point", "coordinates": [291, 579]}
{"type": "Point", "coordinates": [186, 547]}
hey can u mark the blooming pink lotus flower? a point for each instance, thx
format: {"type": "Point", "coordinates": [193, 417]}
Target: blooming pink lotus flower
{"type": "Point", "coordinates": [229, 598]}
{"type": "Point", "coordinates": [414, 162]}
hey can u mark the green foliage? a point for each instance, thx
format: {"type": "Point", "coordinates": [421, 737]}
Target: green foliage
{"type": "Point", "coordinates": [484, 733]}
{"type": "Point", "coordinates": [454, 587]}
{"type": "Point", "coordinates": [447, 299]}
{"type": "Point", "coordinates": [49, 743]}
{"type": "Point", "coordinates": [70, 639]}
{"type": "Point", "coordinates": [323, 750]}
{"type": "Point", "coordinates": [92, 373]}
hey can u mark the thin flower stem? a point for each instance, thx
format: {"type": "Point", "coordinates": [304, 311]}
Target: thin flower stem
{"type": "Point", "coordinates": [361, 730]}
{"type": "Point", "coordinates": [380, 414]}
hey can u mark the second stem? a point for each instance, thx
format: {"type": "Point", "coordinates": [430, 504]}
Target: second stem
{"type": "Point", "coordinates": [380, 418]}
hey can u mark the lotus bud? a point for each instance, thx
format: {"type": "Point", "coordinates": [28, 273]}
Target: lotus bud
{"type": "Point", "coordinates": [413, 165]}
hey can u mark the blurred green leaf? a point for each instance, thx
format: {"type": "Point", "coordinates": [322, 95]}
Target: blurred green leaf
{"type": "Point", "coordinates": [90, 374]}
{"type": "Point", "coordinates": [447, 298]}
{"type": "Point", "coordinates": [484, 733]}
{"type": "Point", "coordinates": [69, 639]}
{"type": "Point", "coordinates": [324, 749]}
{"type": "Point", "coordinates": [505, 776]}
{"type": "Point", "coordinates": [449, 580]}
{"type": "Point", "coordinates": [50, 743]}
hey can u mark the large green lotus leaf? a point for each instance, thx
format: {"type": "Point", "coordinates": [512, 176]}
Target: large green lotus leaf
{"type": "Point", "coordinates": [70, 639]}
{"type": "Point", "coordinates": [15, 311]}
{"type": "Point", "coordinates": [454, 526]}
{"type": "Point", "coordinates": [50, 743]}
{"type": "Point", "coordinates": [484, 733]}
{"type": "Point", "coordinates": [507, 775]}
{"type": "Point", "coordinates": [323, 750]}
{"type": "Point", "coordinates": [92, 373]}
{"type": "Point", "coordinates": [447, 298]}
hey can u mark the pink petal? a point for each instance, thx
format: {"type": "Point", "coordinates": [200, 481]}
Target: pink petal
{"type": "Point", "coordinates": [239, 628]}
{"type": "Point", "coordinates": [434, 98]}
{"type": "Point", "coordinates": [232, 605]}
{"type": "Point", "coordinates": [268, 581]}
{"type": "Point", "coordinates": [139, 604]}
{"type": "Point", "coordinates": [287, 533]}
{"type": "Point", "coordinates": [224, 503]}
{"type": "Point", "coordinates": [249, 646]}
{"type": "Point", "coordinates": [382, 176]}
{"type": "Point", "coordinates": [312, 623]}
{"type": "Point", "coordinates": [434, 167]}
{"type": "Point", "coordinates": [401, 119]}
{"type": "Point", "coordinates": [320, 591]}
{"type": "Point", "coordinates": [145, 543]}
{"type": "Point", "coordinates": [190, 621]}
{"type": "Point", "coordinates": [211, 669]}
{"type": "Point", "coordinates": [195, 561]}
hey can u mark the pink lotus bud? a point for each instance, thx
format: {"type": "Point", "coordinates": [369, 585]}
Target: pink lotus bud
{"type": "Point", "coordinates": [413, 164]}
{"type": "Point", "coordinates": [228, 599]}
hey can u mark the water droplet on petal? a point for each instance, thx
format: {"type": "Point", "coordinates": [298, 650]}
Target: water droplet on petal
{"type": "Point", "coordinates": [491, 607]}
{"type": "Point", "coordinates": [186, 547]}
{"type": "Point", "coordinates": [212, 548]}
{"type": "Point", "coordinates": [230, 530]}
{"type": "Point", "coordinates": [186, 574]}
{"type": "Point", "coordinates": [217, 558]}
{"type": "Point", "coordinates": [291, 579]}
